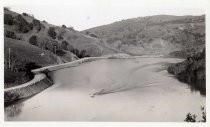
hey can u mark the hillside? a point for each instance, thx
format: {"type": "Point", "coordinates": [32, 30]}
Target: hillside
{"type": "Point", "coordinates": [33, 43]}
{"type": "Point", "coordinates": [180, 36]}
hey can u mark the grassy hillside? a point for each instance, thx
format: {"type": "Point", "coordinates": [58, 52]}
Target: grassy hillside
{"type": "Point", "coordinates": [164, 34]}
{"type": "Point", "coordinates": [34, 43]}
{"type": "Point", "coordinates": [40, 29]}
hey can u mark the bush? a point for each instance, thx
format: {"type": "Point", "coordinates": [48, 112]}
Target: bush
{"type": "Point", "coordinates": [10, 34]}
{"type": "Point", "coordinates": [79, 54]}
{"type": "Point", "coordinates": [60, 37]}
{"type": "Point", "coordinates": [30, 66]}
{"type": "Point", "coordinates": [60, 52]}
{"type": "Point", "coordinates": [93, 35]}
{"type": "Point", "coordinates": [8, 19]}
{"type": "Point", "coordinates": [63, 26]}
{"type": "Point", "coordinates": [71, 28]}
{"type": "Point", "coordinates": [75, 51]}
{"type": "Point", "coordinates": [33, 40]}
{"type": "Point", "coordinates": [82, 54]}
{"type": "Point", "coordinates": [52, 33]}
{"type": "Point", "coordinates": [47, 44]}
{"type": "Point", "coordinates": [87, 32]}
{"type": "Point", "coordinates": [37, 24]}
{"type": "Point", "coordinates": [7, 8]}
{"type": "Point", "coordinates": [25, 14]}
{"type": "Point", "coordinates": [64, 45]}
{"type": "Point", "coordinates": [193, 118]}
{"type": "Point", "coordinates": [22, 25]}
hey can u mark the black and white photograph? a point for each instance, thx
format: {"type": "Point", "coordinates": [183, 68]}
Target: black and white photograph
{"type": "Point", "coordinates": [104, 61]}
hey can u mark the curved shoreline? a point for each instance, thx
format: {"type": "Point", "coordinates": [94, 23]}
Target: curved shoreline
{"type": "Point", "coordinates": [40, 81]}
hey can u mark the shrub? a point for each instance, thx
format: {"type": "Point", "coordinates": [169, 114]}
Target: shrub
{"type": "Point", "coordinates": [60, 37]}
{"type": "Point", "coordinates": [79, 54]}
{"type": "Point", "coordinates": [75, 51]}
{"type": "Point", "coordinates": [10, 34]}
{"type": "Point", "coordinates": [30, 66]}
{"type": "Point", "coordinates": [52, 33]}
{"type": "Point", "coordinates": [37, 24]}
{"type": "Point", "coordinates": [82, 54]}
{"type": "Point", "coordinates": [7, 8]}
{"type": "Point", "coordinates": [8, 19]}
{"type": "Point", "coordinates": [25, 14]}
{"type": "Point", "coordinates": [70, 47]}
{"type": "Point", "coordinates": [22, 25]}
{"type": "Point", "coordinates": [93, 35]}
{"type": "Point", "coordinates": [51, 45]}
{"type": "Point", "coordinates": [63, 26]}
{"type": "Point", "coordinates": [61, 32]}
{"type": "Point", "coordinates": [60, 52]}
{"type": "Point", "coordinates": [33, 40]}
{"type": "Point", "coordinates": [87, 32]}
{"type": "Point", "coordinates": [193, 118]}
{"type": "Point", "coordinates": [47, 44]}
{"type": "Point", "coordinates": [64, 45]}
{"type": "Point", "coordinates": [71, 28]}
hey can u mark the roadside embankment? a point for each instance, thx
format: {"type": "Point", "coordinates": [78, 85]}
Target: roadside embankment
{"type": "Point", "coordinates": [36, 85]}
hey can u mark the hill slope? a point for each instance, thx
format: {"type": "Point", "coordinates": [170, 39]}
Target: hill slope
{"type": "Point", "coordinates": [163, 34]}
{"type": "Point", "coordinates": [34, 43]}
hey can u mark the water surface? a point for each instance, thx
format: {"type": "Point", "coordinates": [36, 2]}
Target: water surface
{"type": "Point", "coordinates": [133, 90]}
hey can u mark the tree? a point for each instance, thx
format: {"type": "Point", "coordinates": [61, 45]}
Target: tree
{"type": "Point", "coordinates": [25, 14]}
{"type": "Point", "coordinates": [64, 45]}
{"type": "Point", "coordinates": [76, 52]}
{"type": "Point", "coordinates": [10, 34]}
{"type": "Point", "coordinates": [37, 24]}
{"type": "Point", "coordinates": [82, 54]}
{"type": "Point", "coordinates": [64, 26]}
{"type": "Point", "coordinates": [22, 25]}
{"type": "Point", "coordinates": [33, 40]}
{"type": "Point", "coordinates": [7, 8]}
{"type": "Point", "coordinates": [30, 66]}
{"type": "Point", "coordinates": [93, 35]}
{"type": "Point", "coordinates": [8, 19]}
{"type": "Point", "coordinates": [52, 33]}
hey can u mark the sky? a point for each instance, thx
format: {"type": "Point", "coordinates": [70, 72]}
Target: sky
{"type": "Point", "coordinates": [84, 14]}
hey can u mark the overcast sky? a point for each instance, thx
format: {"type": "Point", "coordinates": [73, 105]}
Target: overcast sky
{"type": "Point", "coordinates": [84, 14]}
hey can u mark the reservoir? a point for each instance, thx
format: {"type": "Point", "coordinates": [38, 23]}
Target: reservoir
{"type": "Point", "coordinates": [121, 90]}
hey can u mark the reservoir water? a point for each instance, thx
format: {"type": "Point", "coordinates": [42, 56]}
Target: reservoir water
{"type": "Point", "coordinates": [112, 90]}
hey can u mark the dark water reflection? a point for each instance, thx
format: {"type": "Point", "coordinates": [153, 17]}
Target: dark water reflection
{"type": "Point", "coordinates": [14, 110]}
{"type": "Point", "coordinates": [194, 85]}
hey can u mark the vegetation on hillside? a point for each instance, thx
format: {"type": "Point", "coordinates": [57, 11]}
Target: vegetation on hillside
{"type": "Point", "coordinates": [30, 41]}
{"type": "Point", "coordinates": [192, 71]}
{"type": "Point", "coordinates": [178, 36]}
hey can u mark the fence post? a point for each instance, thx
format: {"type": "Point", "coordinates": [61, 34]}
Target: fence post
{"type": "Point", "coordinates": [9, 58]}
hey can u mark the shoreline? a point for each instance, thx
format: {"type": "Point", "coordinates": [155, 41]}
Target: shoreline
{"type": "Point", "coordinates": [32, 87]}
